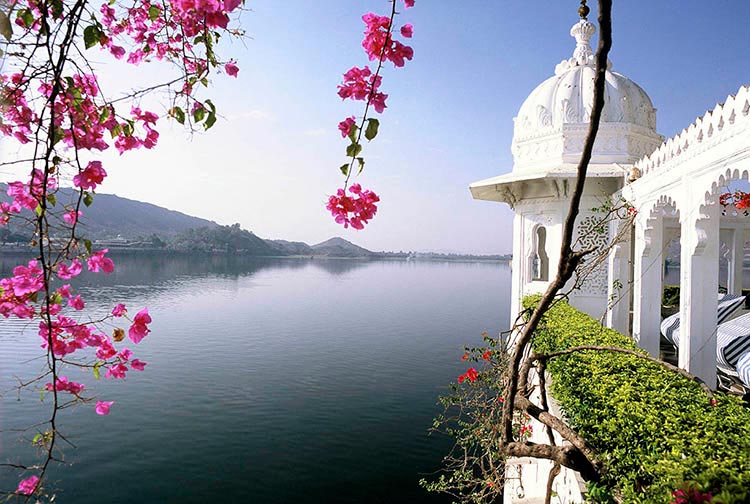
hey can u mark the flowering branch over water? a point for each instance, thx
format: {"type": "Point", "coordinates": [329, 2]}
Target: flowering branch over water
{"type": "Point", "coordinates": [52, 106]}
{"type": "Point", "coordinates": [359, 207]}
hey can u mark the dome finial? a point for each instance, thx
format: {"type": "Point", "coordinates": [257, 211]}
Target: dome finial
{"type": "Point", "coordinates": [583, 10]}
{"type": "Point", "coordinates": [582, 31]}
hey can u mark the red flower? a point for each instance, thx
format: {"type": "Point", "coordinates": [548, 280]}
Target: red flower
{"type": "Point", "coordinates": [465, 356]}
{"type": "Point", "coordinates": [471, 374]}
{"type": "Point", "coordinates": [487, 355]}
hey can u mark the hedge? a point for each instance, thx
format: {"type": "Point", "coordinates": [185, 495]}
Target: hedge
{"type": "Point", "coordinates": [654, 430]}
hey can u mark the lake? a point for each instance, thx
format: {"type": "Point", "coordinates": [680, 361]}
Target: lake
{"type": "Point", "coordinates": [268, 380]}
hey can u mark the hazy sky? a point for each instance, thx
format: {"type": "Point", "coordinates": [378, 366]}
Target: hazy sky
{"type": "Point", "coordinates": [272, 159]}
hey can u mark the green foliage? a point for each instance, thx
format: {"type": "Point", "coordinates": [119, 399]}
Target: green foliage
{"type": "Point", "coordinates": [671, 295]}
{"type": "Point", "coordinates": [654, 430]}
{"type": "Point", "coordinates": [372, 128]}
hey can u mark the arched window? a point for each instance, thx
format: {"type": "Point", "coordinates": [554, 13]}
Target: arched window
{"type": "Point", "coordinates": [539, 259]}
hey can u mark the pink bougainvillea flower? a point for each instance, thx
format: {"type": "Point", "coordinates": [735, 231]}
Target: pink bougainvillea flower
{"type": "Point", "coordinates": [690, 496]}
{"type": "Point", "coordinates": [71, 217]}
{"type": "Point", "coordinates": [91, 176]}
{"type": "Point", "coordinates": [76, 303]}
{"type": "Point", "coordinates": [116, 371]}
{"type": "Point", "coordinates": [68, 272]}
{"type": "Point", "coordinates": [231, 69]}
{"type": "Point", "coordinates": [119, 310]}
{"type": "Point", "coordinates": [138, 364]}
{"type": "Point", "coordinates": [105, 350]}
{"type": "Point", "coordinates": [63, 385]}
{"type": "Point", "coordinates": [102, 407]}
{"type": "Point", "coordinates": [356, 210]}
{"type": "Point", "coordinates": [138, 330]}
{"type": "Point", "coordinates": [28, 486]}
{"type": "Point", "coordinates": [345, 126]}
{"type": "Point", "coordinates": [407, 31]}
{"type": "Point", "coordinates": [408, 3]}
{"type": "Point", "coordinates": [97, 261]}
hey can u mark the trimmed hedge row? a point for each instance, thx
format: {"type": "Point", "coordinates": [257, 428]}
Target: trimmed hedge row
{"type": "Point", "coordinates": [655, 431]}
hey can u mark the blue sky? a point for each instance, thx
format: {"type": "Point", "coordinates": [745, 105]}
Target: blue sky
{"type": "Point", "coordinates": [272, 159]}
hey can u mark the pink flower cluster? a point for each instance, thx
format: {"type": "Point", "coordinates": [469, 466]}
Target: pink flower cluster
{"type": "Point", "coordinates": [354, 210]}
{"type": "Point", "coordinates": [63, 385]}
{"type": "Point", "coordinates": [14, 108]}
{"type": "Point", "coordinates": [25, 195]}
{"type": "Point", "coordinates": [691, 496]}
{"type": "Point", "coordinates": [19, 290]}
{"type": "Point", "coordinates": [345, 126]}
{"type": "Point", "coordinates": [379, 43]}
{"type": "Point", "coordinates": [84, 123]}
{"type": "Point", "coordinates": [28, 486]}
{"type": "Point", "coordinates": [166, 30]}
{"type": "Point", "coordinates": [362, 84]}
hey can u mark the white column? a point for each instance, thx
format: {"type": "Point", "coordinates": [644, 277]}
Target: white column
{"type": "Point", "coordinates": [647, 282]}
{"type": "Point", "coordinates": [735, 263]}
{"type": "Point", "coordinates": [698, 294]}
{"type": "Point", "coordinates": [518, 270]}
{"type": "Point", "coordinates": [618, 289]}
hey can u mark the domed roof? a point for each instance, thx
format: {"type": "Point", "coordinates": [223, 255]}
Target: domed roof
{"type": "Point", "coordinates": [562, 105]}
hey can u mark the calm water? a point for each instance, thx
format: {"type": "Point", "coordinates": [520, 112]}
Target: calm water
{"type": "Point", "coordinates": [269, 381]}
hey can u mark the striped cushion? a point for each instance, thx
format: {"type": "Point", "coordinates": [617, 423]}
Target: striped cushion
{"type": "Point", "coordinates": [733, 340]}
{"type": "Point", "coordinates": [728, 304]}
{"type": "Point", "coordinates": [670, 326]}
{"type": "Point", "coordinates": [743, 369]}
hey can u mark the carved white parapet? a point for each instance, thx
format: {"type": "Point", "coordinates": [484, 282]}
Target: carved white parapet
{"type": "Point", "coordinates": [724, 121]}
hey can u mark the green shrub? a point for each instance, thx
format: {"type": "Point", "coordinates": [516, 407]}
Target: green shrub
{"type": "Point", "coordinates": [655, 430]}
{"type": "Point", "coordinates": [671, 295]}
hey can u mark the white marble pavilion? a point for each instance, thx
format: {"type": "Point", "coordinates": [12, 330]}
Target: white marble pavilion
{"type": "Point", "coordinates": [673, 185]}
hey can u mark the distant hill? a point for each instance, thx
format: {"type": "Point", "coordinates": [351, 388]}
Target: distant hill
{"type": "Point", "coordinates": [112, 215]}
{"type": "Point", "coordinates": [125, 224]}
{"type": "Point", "coordinates": [284, 247]}
{"type": "Point", "coordinates": [338, 247]}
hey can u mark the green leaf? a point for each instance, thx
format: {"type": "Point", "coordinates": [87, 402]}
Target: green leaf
{"type": "Point", "coordinates": [97, 374]}
{"type": "Point", "coordinates": [57, 135]}
{"type": "Point", "coordinates": [353, 133]}
{"type": "Point", "coordinates": [178, 114]}
{"type": "Point", "coordinates": [41, 395]}
{"type": "Point", "coordinates": [35, 440]}
{"type": "Point", "coordinates": [27, 17]}
{"type": "Point", "coordinates": [6, 29]}
{"type": "Point", "coordinates": [353, 150]}
{"type": "Point", "coordinates": [104, 115]}
{"type": "Point", "coordinates": [87, 199]}
{"type": "Point", "coordinates": [38, 210]}
{"type": "Point", "coordinates": [361, 162]}
{"type": "Point", "coordinates": [344, 169]}
{"type": "Point", "coordinates": [154, 12]}
{"type": "Point", "coordinates": [199, 114]}
{"type": "Point", "coordinates": [372, 129]}
{"type": "Point", "coordinates": [91, 36]}
{"type": "Point", "coordinates": [210, 120]}
{"type": "Point", "coordinates": [52, 199]}
{"type": "Point", "coordinates": [210, 105]}
{"type": "Point", "coordinates": [87, 244]}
